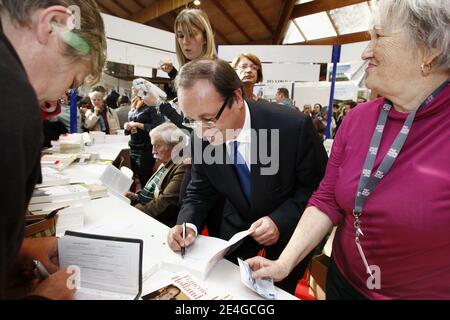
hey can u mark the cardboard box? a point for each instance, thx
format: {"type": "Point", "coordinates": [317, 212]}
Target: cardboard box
{"type": "Point", "coordinates": [317, 276]}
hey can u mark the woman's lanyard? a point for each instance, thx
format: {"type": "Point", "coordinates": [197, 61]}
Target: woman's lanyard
{"type": "Point", "coordinates": [367, 181]}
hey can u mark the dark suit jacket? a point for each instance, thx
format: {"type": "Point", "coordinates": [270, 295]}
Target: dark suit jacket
{"type": "Point", "coordinates": [282, 196]}
{"type": "Point", "coordinates": [165, 206]}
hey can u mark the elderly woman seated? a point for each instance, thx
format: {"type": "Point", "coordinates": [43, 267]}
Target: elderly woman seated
{"type": "Point", "coordinates": [160, 197]}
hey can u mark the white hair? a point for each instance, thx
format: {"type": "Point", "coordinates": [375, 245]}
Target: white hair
{"type": "Point", "coordinates": [96, 95]}
{"type": "Point", "coordinates": [169, 133]}
{"type": "Point", "coordinates": [426, 21]}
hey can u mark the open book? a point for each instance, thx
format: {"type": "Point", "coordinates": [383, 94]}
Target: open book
{"type": "Point", "coordinates": [116, 182]}
{"type": "Point", "coordinates": [204, 254]}
{"type": "Point", "coordinates": [110, 268]}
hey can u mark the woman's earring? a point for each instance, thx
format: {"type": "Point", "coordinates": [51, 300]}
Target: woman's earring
{"type": "Point", "coordinates": [426, 69]}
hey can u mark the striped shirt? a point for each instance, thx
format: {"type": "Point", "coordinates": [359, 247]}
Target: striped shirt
{"type": "Point", "coordinates": [146, 194]}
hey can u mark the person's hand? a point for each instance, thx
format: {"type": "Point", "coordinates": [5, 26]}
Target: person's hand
{"type": "Point", "coordinates": [43, 249]}
{"type": "Point", "coordinates": [265, 232]}
{"type": "Point", "coordinates": [83, 111]}
{"type": "Point", "coordinates": [98, 111]}
{"type": "Point", "coordinates": [132, 196]}
{"type": "Point", "coordinates": [127, 126]}
{"type": "Point", "coordinates": [175, 238]}
{"type": "Point", "coordinates": [264, 268]}
{"type": "Point", "coordinates": [167, 67]}
{"type": "Point", "coordinates": [59, 286]}
{"type": "Point", "coordinates": [150, 99]}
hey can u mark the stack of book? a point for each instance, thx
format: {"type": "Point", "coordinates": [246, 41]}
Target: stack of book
{"type": "Point", "coordinates": [96, 191]}
{"type": "Point", "coordinates": [51, 198]}
{"type": "Point", "coordinates": [51, 177]}
{"type": "Point", "coordinates": [58, 160]}
{"type": "Point", "coordinates": [68, 200]}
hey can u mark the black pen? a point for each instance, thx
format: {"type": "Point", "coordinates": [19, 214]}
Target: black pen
{"type": "Point", "coordinates": [183, 248]}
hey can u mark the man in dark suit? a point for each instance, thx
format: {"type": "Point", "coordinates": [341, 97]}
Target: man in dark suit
{"type": "Point", "coordinates": [260, 160]}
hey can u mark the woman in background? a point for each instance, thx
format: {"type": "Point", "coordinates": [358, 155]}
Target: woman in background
{"type": "Point", "coordinates": [142, 118]}
{"type": "Point", "coordinates": [249, 69]}
{"type": "Point", "coordinates": [194, 40]}
{"type": "Point", "coordinates": [102, 118]}
{"type": "Point", "coordinates": [387, 185]}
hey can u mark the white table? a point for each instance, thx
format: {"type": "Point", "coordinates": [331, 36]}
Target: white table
{"type": "Point", "coordinates": [108, 151]}
{"type": "Point", "coordinates": [112, 216]}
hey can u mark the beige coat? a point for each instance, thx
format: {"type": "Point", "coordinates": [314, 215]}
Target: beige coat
{"type": "Point", "coordinates": [92, 121]}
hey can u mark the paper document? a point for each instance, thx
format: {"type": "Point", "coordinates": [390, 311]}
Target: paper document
{"type": "Point", "coordinates": [110, 268]}
{"type": "Point", "coordinates": [264, 287]}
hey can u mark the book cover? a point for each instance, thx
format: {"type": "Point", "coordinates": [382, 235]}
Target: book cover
{"type": "Point", "coordinates": [183, 286]}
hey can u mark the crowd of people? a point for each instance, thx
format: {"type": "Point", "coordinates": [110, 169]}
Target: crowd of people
{"type": "Point", "coordinates": [368, 188]}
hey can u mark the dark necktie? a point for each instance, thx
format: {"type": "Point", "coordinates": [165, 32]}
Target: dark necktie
{"type": "Point", "coordinates": [242, 170]}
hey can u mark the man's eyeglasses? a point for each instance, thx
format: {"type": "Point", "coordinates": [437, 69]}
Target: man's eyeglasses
{"type": "Point", "coordinates": [208, 123]}
{"type": "Point", "coordinates": [243, 67]}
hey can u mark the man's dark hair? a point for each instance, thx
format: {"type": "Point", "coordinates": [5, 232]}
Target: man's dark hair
{"type": "Point", "coordinates": [284, 92]}
{"type": "Point", "coordinates": [218, 72]}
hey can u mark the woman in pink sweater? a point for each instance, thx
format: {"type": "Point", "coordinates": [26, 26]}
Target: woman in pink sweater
{"type": "Point", "coordinates": [387, 185]}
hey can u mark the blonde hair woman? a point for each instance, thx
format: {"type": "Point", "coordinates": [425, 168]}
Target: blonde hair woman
{"type": "Point", "coordinates": [194, 40]}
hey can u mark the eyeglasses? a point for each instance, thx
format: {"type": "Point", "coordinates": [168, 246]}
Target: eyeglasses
{"type": "Point", "coordinates": [243, 67]}
{"type": "Point", "coordinates": [206, 124]}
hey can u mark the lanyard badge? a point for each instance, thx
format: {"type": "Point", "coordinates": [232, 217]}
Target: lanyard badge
{"type": "Point", "coordinates": [369, 181]}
